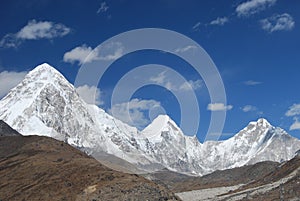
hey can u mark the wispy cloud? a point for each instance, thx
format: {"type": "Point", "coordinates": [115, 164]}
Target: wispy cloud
{"type": "Point", "coordinates": [293, 110]}
{"type": "Point", "coordinates": [219, 21]}
{"type": "Point", "coordinates": [185, 49]}
{"type": "Point", "coordinates": [252, 7]}
{"type": "Point", "coordinates": [252, 83]}
{"type": "Point", "coordinates": [249, 108]}
{"type": "Point", "coordinates": [85, 53]}
{"type": "Point", "coordinates": [191, 84]}
{"type": "Point", "coordinates": [162, 80]}
{"type": "Point", "coordinates": [10, 79]}
{"type": "Point", "coordinates": [35, 30]}
{"type": "Point", "coordinates": [90, 94]}
{"type": "Point", "coordinates": [196, 27]}
{"type": "Point", "coordinates": [132, 112]}
{"type": "Point", "coordinates": [295, 125]}
{"type": "Point", "coordinates": [282, 22]}
{"type": "Point", "coordinates": [103, 7]}
{"type": "Point", "coordinates": [80, 54]}
{"type": "Point", "coordinates": [218, 107]}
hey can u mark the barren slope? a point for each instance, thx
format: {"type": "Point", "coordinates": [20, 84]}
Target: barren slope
{"type": "Point", "coordinates": [41, 168]}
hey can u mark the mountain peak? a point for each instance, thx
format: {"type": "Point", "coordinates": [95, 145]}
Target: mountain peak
{"type": "Point", "coordinates": [157, 124]}
{"type": "Point", "coordinates": [43, 89]}
{"type": "Point", "coordinates": [44, 72]}
{"type": "Point", "coordinates": [45, 66]}
{"type": "Point", "coordinates": [261, 122]}
{"type": "Point", "coordinates": [162, 123]}
{"type": "Point", "coordinates": [162, 118]}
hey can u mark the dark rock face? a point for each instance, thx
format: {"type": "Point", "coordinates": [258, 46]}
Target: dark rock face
{"type": "Point", "coordinates": [6, 130]}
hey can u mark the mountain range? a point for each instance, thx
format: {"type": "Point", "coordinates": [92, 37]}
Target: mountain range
{"type": "Point", "coordinates": [45, 103]}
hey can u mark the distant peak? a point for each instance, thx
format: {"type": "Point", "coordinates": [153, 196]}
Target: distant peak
{"type": "Point", "coordinates": [263, 122]}
{"type": "Point", "coordinates": [162, 117]}
{"type": "Point", "coordinates": [160, 123]}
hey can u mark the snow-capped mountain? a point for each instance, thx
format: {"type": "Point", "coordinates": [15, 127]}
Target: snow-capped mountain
{"type": "Point", "coordinates": [259, 141]}
{"type": "Point", "coordinates": [171, 147]}
{"type": "Point", "coordinates": [45, 103]}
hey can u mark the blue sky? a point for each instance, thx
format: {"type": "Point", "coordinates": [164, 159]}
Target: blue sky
{"type": "Point", "coordinates": [254, 44]}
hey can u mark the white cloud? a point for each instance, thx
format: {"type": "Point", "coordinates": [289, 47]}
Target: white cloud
{"type": "Point", "coordinates": [282, 22]}
{"type": "Point", "coordinates": [251, 7]}
{"type": "Point", "coordinates": [295, 125]}
{"type": "Point", "coordinates": [196, 27]}
{"type": "Point", "coordinates": [132, 112]}
{"type": "Point", "coordinates": [111, 51]}
{"type": "Point", "coordinates": [293, 110]}
{"type": "Point", "coordinates": [10, 79]}
{"type": "Point", "coordinates": [185, 49]}
{"type": "Point", "coordinates": [252, 83]}
{"type": "Point", "coordinates": [162, 80]}
{"type": "Point", "coordinates": [218, 107]}
{"type": "Point", "coordinates": [197, 84]}
{"type": "Point", "coordinates": [219, 21]}
{"type": "Point", "coordinates": [103, 8]}
{"type": "Point", "coordinates": [80, 54]}
{"type": "Point", "coordinates": [169, 85]}
{"type": "Point", "coordinates": [84, 53]}
{"type": "Point", "coordinates": [35, 30]}
{"type": "Point", "coordinates": [10, 41]}
{"type": "Point", "coordinates": [249, 108]}
{"type": "Point", "coordinates": [90, 94]}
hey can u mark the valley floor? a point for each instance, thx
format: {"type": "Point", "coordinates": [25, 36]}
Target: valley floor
{"type": "Point", "coordinates": [278, 190]}
{"type": "Point", "coordinates": [206, 194]}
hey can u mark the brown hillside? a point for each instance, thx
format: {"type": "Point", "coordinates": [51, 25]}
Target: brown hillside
{"type": "Point", "coordinates": [41, 168]}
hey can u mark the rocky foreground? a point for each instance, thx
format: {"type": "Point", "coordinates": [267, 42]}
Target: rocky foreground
{"type": "Point", "coordinates": [42, 168]}
{"type": "Point", "coordinates": [263, 181]}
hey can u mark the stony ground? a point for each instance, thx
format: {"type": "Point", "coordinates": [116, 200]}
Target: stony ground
{"type": "Point", "coordinates": [206, 194]}
{"type": "Point", "coordinates": [281, 184]}
{"type": "Point", "coordinates": [221, 178]}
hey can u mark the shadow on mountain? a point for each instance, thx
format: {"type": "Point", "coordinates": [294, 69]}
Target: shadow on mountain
{"type": "Point", "coordinates": [6, 130]}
